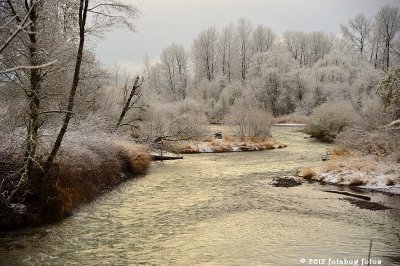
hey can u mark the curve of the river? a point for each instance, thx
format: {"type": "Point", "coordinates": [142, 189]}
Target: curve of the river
{"type": "Point", "coordinates": [217, 209]}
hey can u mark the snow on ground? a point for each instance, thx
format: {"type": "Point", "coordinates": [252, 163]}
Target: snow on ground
{"type": "Point", "coordinates": [363, 172]}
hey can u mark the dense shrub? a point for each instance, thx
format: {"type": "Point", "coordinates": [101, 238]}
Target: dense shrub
{"type": "Point", "coordinates": [329, 119]}
{"type": "Point", "coordinates": [389, 90]}
{"type": "Point", "coordinates": [180, 120]}
{"type": "Point", "coordinates": [250, 122]}
{"type": "Point", "coordinates": [382, 142]}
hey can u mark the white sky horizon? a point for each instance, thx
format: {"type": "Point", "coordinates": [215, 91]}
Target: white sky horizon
{"type": "Point", "coordinates": [165, 21]}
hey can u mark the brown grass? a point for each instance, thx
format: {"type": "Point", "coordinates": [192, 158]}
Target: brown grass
{"type": "Point", "coordinates": [84, 173]}
{"type": "Point", "coordinates": [356, 181]}
{"type": "Point", "coordinates": [208, 138]}
{"type": "Point", "coordinates": [306, 173]}
{"type": "Point", "coordinates": [390, 182]}
{"type": "Point", "coordinates": [230, 138]}
{"type": "Point", "coordinates": [341, 151]}
{"type": "Point", "coordinates": [227, 144]}
{"type": "Point", "coordinates": [185, 148]}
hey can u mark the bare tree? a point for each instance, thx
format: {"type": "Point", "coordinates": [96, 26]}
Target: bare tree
{"type": "Point", "coordinates": [227, 46]}
{"type": "Point", "coordinates": [262, 39]}
{"type": "Point", "coordinates": [174, 59]}
{"type": "Point", "coordinates": [131, 102]}
{"type": "Point", "coordinates": [205, 52]}
{"type": "Point", "coordinates": [357, 31]}
{"type": "Point", "coordinates": [388, 22]}
{"type": "Point", "coordinates": [113, 12]}
{"type": "Point", "coordinates": [244, 30]}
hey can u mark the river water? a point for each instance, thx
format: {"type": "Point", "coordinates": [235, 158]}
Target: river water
{"type": "Point", "coordinates": [217, 209]}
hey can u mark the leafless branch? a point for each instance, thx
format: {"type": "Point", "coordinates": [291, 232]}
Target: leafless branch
{"type": "Point", "coordinates": [57, 112]}
{"type": "Point", "coordinates": [28, 67]}
{"type": "Point", "coordinates": [24, 23]}
{"type": "Point", "coordinates": [112, 5]}
{"type": "Point", "coordinates": [9, 22]}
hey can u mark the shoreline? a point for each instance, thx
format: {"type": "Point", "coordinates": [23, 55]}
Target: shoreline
{"type": "Point", "coordinates": [226, 144]}
{"type": "Point", "coordinates": [351, 169]}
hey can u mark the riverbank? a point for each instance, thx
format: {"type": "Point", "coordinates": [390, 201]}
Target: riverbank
{"type": "Point", "coordinates": [227, 143]}
{"type": "Point", "coordinates": [84, 170]}
{"type": "Point", "coordinates": [350, 168]}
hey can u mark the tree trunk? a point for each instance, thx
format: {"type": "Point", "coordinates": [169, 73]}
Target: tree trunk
{"type": "Point", "coordinates": [83, 7]}
{"type": "Point", "coordinates": [127, 105]}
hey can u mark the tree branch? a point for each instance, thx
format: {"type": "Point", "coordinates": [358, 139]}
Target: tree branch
{"type": "Point", "coordinates": [20, 27]}
{"type": "Point", "coordinates": [28, 67]}
{"type": "Point", "coordinates": [57, 111]}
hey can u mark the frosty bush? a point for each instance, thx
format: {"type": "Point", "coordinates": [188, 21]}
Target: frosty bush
{"type": "Point", "coordinates": [180, 120]}
{"type": "Point", "coordinates": [250, 122]}
{"type": "Point", "coordinates": [378, 142]}
{"type": "Point", "coordinates": [329, 119]}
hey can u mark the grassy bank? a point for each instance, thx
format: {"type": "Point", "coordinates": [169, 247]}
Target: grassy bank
{"type": "Point", "coordinates": [352, 168]}
{"type": "Point", "coordinates": [228, 143]}
{"type": "Point", "coordinates": [83, 171]}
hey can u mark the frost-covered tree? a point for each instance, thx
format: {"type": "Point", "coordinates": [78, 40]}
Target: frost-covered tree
{"type": "Point", "coordinates": [262, 39]}
{"type": "Point", "coordinates": [357, 31]}
{"type": "Point", "coordinates": [244, 30]}
{"type": "Point", "coordinates": [227, 50]}
{"type": "Point", "coordinates": [205, 51]}
{"type": "Point", "coordinates": [174, 60]}
{"type": "Point", "coordinates": [389, 91]}
{"type": "Point", "coordinates": [46, 62]}
{"type": "Point", "coordinates": [388, 23]}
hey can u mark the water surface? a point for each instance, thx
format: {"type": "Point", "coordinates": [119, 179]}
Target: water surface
{"type": "Point", "coordinates": [216, 209]}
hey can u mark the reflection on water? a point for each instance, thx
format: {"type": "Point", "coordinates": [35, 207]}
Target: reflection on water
{"type": "Point", "coordinates": [215, 209]}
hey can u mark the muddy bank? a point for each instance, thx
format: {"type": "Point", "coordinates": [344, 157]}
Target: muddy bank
{"type": "Point", "coordinates": [83, 172]}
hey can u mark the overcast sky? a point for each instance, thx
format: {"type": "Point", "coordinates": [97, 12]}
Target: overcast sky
{"type": "Point", "coordinates": [165, 21]}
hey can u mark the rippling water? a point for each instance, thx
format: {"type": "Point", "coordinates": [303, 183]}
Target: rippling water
{"type": "Point", "coordinates": [216, 209]}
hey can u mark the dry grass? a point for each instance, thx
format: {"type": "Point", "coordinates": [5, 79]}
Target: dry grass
{"type": "Point", "coordinates": [208, 138]}
{"type": "Point", "coordinates": [306, 173]}
{"type": "Point", "coordinates": [185, 147]}
{"type": "Point", "coordinates": [84, 169]}
{"type": "Point", "coordinates": [228, 143]}
{"type": "Point", "coordinates": [230, 138]}
{"type": "Point", "coordinates": [91, 170]}
{"type": "Point", "coordinates": [348, 167]}
{"type": "Point", "coordinates": [390, 182]}
{"type": "Point", "coordinates": [341, 151]}
{"type": "Point", "coordinates": [356, 181]}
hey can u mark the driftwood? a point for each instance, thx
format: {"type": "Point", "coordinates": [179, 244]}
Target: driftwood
{"type": "Point", "coordinates": [349, 194]}
{"type": "Point", "coordinates": [165, 158]}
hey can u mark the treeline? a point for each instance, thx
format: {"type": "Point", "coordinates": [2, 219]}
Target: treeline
{"type": "Point", "coordinates": [244, 65]}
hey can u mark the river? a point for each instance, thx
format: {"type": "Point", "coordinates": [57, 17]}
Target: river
{"type": "Point", "coordinates": [217, 209]}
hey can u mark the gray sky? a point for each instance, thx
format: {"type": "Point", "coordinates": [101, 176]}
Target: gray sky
{"type": "Point", "coordinates": [165, 21]}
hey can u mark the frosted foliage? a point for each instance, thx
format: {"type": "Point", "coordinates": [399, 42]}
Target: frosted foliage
{"type": "Point", "coordinates": [331, 118]}
{"type": "Point", "coordinates": [249, 121]}
{"type": "Point", "coordinates": [181, 120]}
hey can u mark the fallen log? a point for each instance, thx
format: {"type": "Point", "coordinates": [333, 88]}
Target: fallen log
{"type": "Point", "coordinates": [165, 158]}
{"type": "Point", "coordinates": [349, 194]}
